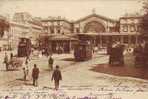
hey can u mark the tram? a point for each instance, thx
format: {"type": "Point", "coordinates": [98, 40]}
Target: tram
{"type": "Point", "coordinates": [82, 51]}
{"type": "Point", "coordinates": [24, 47]}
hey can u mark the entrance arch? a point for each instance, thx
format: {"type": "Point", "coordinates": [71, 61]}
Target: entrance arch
{"type": "Point", "coordinates": [94, 26]}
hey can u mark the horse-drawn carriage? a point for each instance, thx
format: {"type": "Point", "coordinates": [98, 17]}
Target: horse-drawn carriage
{"type": "Point", "coordinates": [14, 63]}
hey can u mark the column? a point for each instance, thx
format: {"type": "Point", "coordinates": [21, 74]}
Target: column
{"type": "Point", "coordinates": [121, 39]}
{"type": "Point", "coordinates": [94, 41]}
{"type": "Point", "coordinates": [129, 39]}
{"type": "Point", "coordinates": [70, 46]}
{"type": "Point", "coordinates": [100, 40]}
{"type": "Point", "coordinates": [55, 30]}
{"type": "Point", "coordinates": [136, 39]}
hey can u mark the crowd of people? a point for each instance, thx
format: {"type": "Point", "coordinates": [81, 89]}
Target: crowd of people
{"type": "Point", "coordinates": [116, 51]}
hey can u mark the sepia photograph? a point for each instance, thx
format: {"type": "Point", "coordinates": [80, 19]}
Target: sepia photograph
{"type": "Point", "coordinates": [73, 49]}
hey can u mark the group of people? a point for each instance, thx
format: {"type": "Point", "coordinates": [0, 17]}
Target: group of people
{"type": "Point", "coordinates": [25, 68]}
{"type": "Point", "coordinates": [56, 76]}
{"type": "Point", "coordinates": [115, 51]}
{"type": "Point", "coordinates": [141, 54]}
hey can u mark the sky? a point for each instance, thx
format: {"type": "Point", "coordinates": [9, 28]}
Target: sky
{"type": "Point", "coordinates": [70, 9]}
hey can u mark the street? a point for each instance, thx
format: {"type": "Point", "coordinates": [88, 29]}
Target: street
{"type": "Point", "coordinates": [77, 78]}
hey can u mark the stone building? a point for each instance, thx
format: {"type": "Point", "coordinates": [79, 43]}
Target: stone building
{"type": "Point", "coordinates": [57, 25]}
{"type": "Point", "coordinates": [101, 30]}
{"type": "Point", "coordinates": [130, 28]}
{"type": "Point", "coordinates": [24, 25]}
{"type": "Point", "coordinates": [94, 28]}
{"type": "Point", "coordinates": [57, 35]}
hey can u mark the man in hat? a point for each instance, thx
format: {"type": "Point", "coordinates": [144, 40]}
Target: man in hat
{"type": "Point", "coordinates": [35, 75]}
{"type": "Point", "coordinates": [56, 76]}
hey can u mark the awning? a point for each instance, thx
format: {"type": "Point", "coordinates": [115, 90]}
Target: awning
{"type": "Point", "coordinates": [107, 34]}
{"type": "Point", "coordinates": [88, 34]}
{"type": "Point", "coordinates": [118, 34]}
{"type": "Point", "coordinates": [62, 38]}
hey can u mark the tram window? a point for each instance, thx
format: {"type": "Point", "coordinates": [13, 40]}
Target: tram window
{"type": "Point", "coordinates": [133, 39]}
{"type": "Point", "coordinates": [51, 29]}
{"type": "Point", "coordinates": [125, 28]}
{"type": "Point", "coordinates": [125, 38]}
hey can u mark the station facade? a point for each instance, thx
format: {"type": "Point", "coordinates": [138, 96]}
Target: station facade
{"type": "Point", "coordinates": [96, 29]}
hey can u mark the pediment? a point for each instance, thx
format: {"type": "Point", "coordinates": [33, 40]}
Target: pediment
{"type": "Point", "coordinates": [95, 16]}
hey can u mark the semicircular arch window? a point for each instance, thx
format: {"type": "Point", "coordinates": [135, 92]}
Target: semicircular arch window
{"type": "Point", "coordinates": [94, 27]}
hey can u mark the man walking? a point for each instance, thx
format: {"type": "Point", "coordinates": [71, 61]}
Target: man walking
{"type": "Point", "coordinates": [6, 61]}
{"type": "Point", "coordinates": [11, 56]}
{"type": "Point", "coordinates": [35, 75]}
{"type": "Point", "coordinates": [56, 76]}
{"type": "Point", "coordinates": [24, 72]}
{"type": "Point", "coordinates": [50, 63]}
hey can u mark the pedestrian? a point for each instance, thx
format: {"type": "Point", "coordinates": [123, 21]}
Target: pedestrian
{"type": "Point", "coordinates": [110, 51]}
{"type": "Point", "coordinates": [28, 58]}
{"type": "Point", "coordinates": [7, 97]}
{"type": "Point", "coordinates": [120, 56]}
{"type": "Point", "coordinates": [11, 56]}
{"type": "Point", "coordinates": [25, 74]}
{"type": "Point", "coordinates": [56, 76]}
{"type": "Point", "coordinates": [39, 54]}
{"type": "Point", "coordinates": [50, 63]}
{"type": "Point", "coordinates": [35, 75]}
{"type": "Point", "coordinates": [26, 61]}
{"type": "Point", "coordinates": [6, 61]}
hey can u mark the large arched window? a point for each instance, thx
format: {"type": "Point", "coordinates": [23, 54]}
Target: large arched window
{"type": "Point", "coordinates": [94, 27]}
